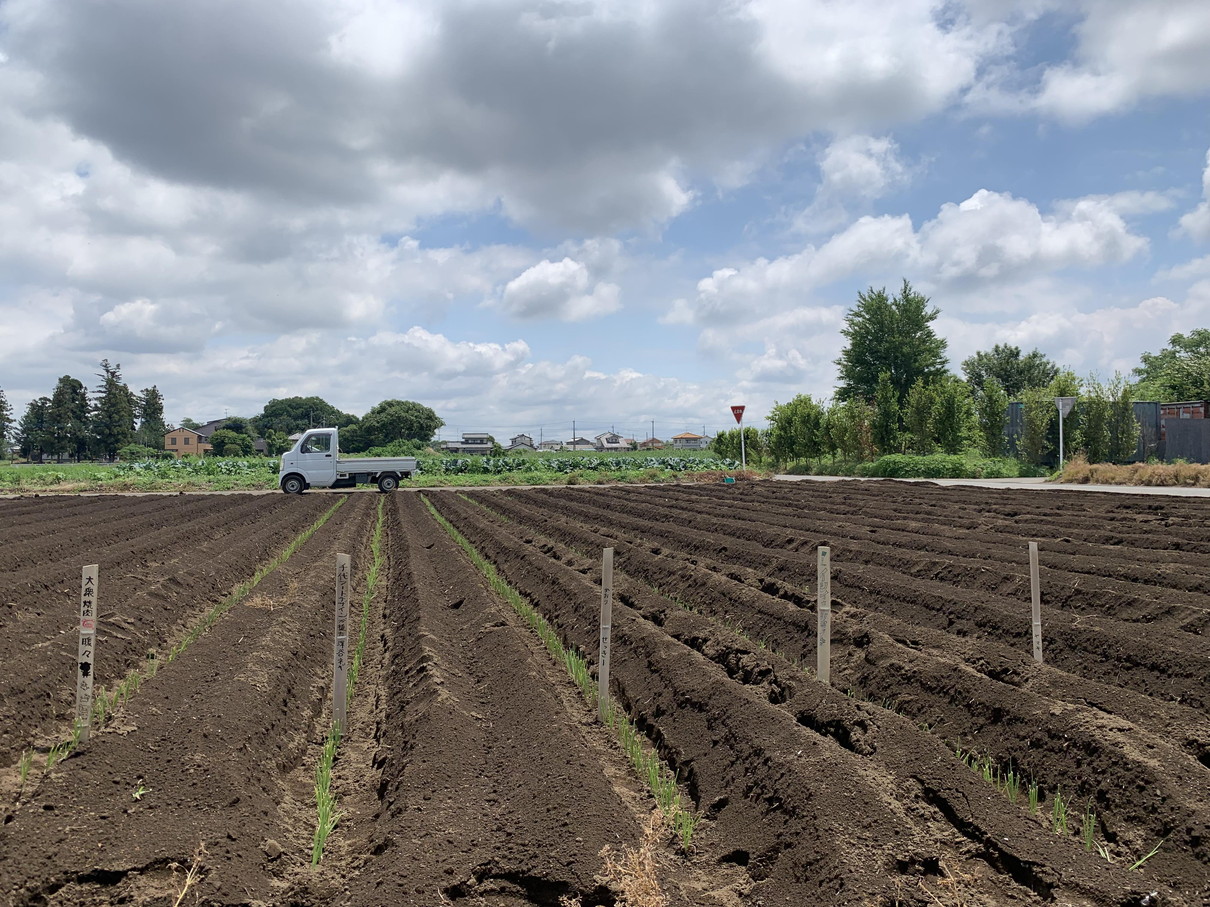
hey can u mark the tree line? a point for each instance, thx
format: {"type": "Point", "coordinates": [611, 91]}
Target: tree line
{"type": "Point", "coordinates": [71, 424]}
{"type": "Point", "coordinates": [896, 395]}
{"type": "Point", "coordinates": [113, 421]}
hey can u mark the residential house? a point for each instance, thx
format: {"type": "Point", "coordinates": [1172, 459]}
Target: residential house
{"type": "Point", "coordinates": [520, 444]}
{"type": "Point", "coordinates": [611, 441]}
{"type": "Point", "coordinates": [687, 440]}
{"type": "Point", "coordinates": [185, 442]}
{"type": "Point", "coordinates": [579, 444]}
{"type": "Point", "coordinates": [472, 443]}
{"type": "Point", "coordinates": [651, 444]}
{"type": "Point", "coordinates": [197, 442]}
{"type": "Point", "coordinates": [551, 445]}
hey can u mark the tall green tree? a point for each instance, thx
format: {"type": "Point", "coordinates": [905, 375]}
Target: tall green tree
{"type": "Point", "coordinates": [1014, 371]}
{"type": "Point", "coordinates": [113, 412]}
{"type": "Point", "coordinates": [1124, 428]}
{"type": "Point", "coordinates": [1038, 415]}
{"type": "Point", "coordinates": [892, 334]}
{"type": "Point", "coordinates": [394, 420]}
{"type": "Point", "coordinates": [69, 419]}
{"type": "Point", "coordinates": [294, 414]}
{"type": "Point", "coordinates": [1180, 371]}
{"type": "Point", "coordinates": [887, 416]}
{"type": "Point", "coordinates": [33, 432]}
{"type": "Point", "coordinates": [152, 427]}
{"type": "Point", "coordinates": [918, 416]}
{"type": "Point", "coordinates": [953, 413]}
{"type": "Point", "coordinates": [796, 430]}
{"type": "Point", "coordinates": [849, 429]}
{"type": "Point", "coordinates": [6, 423]}
{"type": "Point", "coordinates": [991, 414]}
{"type": "Point", "coordinates": [1094, 420]}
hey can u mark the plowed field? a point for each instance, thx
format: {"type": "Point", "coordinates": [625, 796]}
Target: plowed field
{"type": "Point", "coordinates": [474, 773]}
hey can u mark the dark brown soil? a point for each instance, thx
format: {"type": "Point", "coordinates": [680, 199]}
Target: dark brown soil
{"type": "Point", "coordinates": [744, 558]}
{"type": "Point", "coordinates": [163, 561]}
{"type": "Point", "coordinates": [473, 773]}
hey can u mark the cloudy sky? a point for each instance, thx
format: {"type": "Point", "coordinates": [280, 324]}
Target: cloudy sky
{"type": "Point", "coordinates": [621, 212]}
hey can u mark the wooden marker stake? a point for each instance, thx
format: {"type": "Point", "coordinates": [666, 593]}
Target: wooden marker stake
{"type": "Point", "coordinates": [606, 632]}
{"type": "Point", "coordinates": [340, 644]}
{"type": "Point", "coordinates": [823, 603]}
{"type": "Point", "coordinates": [1036, 592]}
{"type": "Point", "coordinates": [87, 650]}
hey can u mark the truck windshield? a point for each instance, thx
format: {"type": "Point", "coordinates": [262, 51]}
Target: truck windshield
{"type": "Point", "coordinates": [317, 444]}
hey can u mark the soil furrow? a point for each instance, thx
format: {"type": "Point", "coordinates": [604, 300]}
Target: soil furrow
{"type": "Point", "coordinates": [200, 755]}
{"type": "Point", "coordinates": [759, 793]}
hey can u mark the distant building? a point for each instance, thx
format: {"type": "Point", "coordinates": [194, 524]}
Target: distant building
{"type": "Point", "coordinates": [687, 440]}
{"type": "Point", "coordinates": [651, 444]}
{"type": "Point", "coordinates": [611, 441]}
{"type": "Point", "coordinates": [520, 444]}
{"type": "Point", "coordinates": [185, 442]}
{"type": "Point", "coordinates": [551, 445]}
{"type": "Point", "coordinates": [579, 444]}
{"type": "Point", "coordinates": [473, 442]}
{"type": "Point", "coordinates": [196, 442]}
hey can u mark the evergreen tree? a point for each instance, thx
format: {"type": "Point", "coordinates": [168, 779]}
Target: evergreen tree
{"type": "Point", "coordinates": [1124, 428]}
{"type": "Point", "coordinates": [6, 423]}
{"type": "Point", "coordinates": [33, 435]}
{"type": "Point", "coordinates": [1039, 414]}
{"type": "Point", "coordinates": [887, 416]}
{"type": "Point", "coordinates": [918, 417]}
{"type": "Point", "coordinates": [991, 413]}
{"type": "Point", "coordinates": [113, 412]}
{"type": "Point", "coordinates": [151, 418]}
{"type": "Point", "coordinates": [952, 414]}
{"type": "Point", "coordinates": [68, 418]}
{"type": "Point", "coordinates": [892, 335]}
{"type": "Point", "coordinates": [1094, 417]}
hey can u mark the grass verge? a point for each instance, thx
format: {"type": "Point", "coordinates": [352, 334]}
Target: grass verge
{"type": "Point", "coordinates": [645, 762]}
{"type": "Point", "coordinates": [326, 816]}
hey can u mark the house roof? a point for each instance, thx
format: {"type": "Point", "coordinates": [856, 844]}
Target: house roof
{"type": "Point", "coordinates": [686, 435]}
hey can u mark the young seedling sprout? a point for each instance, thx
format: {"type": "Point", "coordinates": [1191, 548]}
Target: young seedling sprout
{"type": "Point", "coordinates": [1058, 814]}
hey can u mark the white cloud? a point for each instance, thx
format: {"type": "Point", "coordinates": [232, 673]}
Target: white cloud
{"type": "Point", "coordinates": [992, 235]}
{"type": "Point", "coordinates": [591, 116]}
{"type": "Point", "coordinates": [1128, 53]}
{"type": "Point", "coordinates": [1197, 222]}
{"type": "Point", "coordinates": [140, 325]}
{"type": "Point", "coordinates": [856, 168]}
{"type": "Point", "coordinates": [561, 290]}
{"type": "Point", "coordinates": [989, 236]}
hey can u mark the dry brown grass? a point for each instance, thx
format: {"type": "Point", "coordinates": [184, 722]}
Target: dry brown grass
{"type": "Point", "coordinates": [633, 872]}
{"type": "Point", "coordinates": [1079, 471]}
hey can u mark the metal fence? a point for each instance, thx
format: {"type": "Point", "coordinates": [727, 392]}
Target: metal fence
{"type": "Point", "coordinates": [1191, 446]}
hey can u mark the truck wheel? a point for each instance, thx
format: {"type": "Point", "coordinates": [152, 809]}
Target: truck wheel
{"type": "Point", "coordinates": [387, 484]}
{"type": "Point", "coordinates": [293, 485]}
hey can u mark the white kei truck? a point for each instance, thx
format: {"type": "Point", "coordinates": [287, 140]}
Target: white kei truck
{"type": "Point", "coordinates": [315, 462]}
